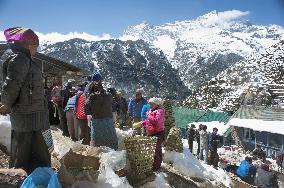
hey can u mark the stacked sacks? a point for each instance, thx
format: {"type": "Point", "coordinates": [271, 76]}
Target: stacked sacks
{"type": "Point", "coordinates": [174, 141]}
{"type": "Point", "coordinates": [169, 119]}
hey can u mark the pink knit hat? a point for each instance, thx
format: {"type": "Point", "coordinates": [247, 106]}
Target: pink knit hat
{"type": "Point", "coordinates": [20, 34]}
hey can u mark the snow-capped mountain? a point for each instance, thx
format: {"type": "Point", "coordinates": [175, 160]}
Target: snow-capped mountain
{"type": "Point", "coordinates": [258, 80]}
{"type": "Point", "coordinates": [193, 45]}
{"type": "Point", "coordinates": [199, 50]}
{"type": "Point", "coordinates": [125, 65]}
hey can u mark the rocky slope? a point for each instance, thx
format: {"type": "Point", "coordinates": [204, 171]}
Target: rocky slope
{"type": "Point", "coordinates": [259, 80]}
{"type": "Point", "coordinates": [125, 65]}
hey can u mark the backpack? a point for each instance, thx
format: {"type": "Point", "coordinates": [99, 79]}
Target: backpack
{"type": "Point", "coordinates": [57, 91]}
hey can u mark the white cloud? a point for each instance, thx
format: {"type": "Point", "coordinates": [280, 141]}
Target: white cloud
{"type": "Point", "coordinates": [58, 37]}
{"type": "Point", "coordinates": [2, 37]}
{"type": "Point", "coordinates": [232, 14]}
{"type": "Point", "coordinates": [224, 17]}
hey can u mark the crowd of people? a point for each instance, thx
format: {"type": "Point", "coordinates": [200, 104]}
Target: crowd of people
{"type": "Point", "coordinates": [207, 143]}
{"type": "Point", "coordinates": [260, 176]}
{"type": "Point", "coordinates": [90, 113]}
{"type": "Point", "coordinates": [86, 111]}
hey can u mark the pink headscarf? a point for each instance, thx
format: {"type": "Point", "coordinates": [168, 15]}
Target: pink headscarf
{"type": "Point", "coordinates": [20, 34]}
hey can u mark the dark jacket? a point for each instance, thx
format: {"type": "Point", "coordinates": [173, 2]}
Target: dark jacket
{"type": "Point", "coordinates": [23, 90]}
{"type": "Point", "coordinates": [191, 134]}
{"type": "Point", "coordinates": [66, 94]}
{"type": "Point", "coordinates": [266, 179]}
{"type": "Point", "coordinates": [123, 105]}
{"type": "Point", "coordinates": [213, 143]}
{"type": "Point", "coordinates": [99, 105]}
{"type": "Point", "coordinates": [259, 153]}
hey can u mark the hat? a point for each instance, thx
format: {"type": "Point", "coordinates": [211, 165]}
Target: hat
{"type": "Point", "coordinates": [121, 92]}
{"type": "Point", "coordinates": [20, 34]}
{"type": "Point", "coordinates": [139, 91]}
{"type": "Point", "coordinates": [157, 101]}
{"type": "Point", "coordinates": [96, 77]}
{"type": "Point", "coordinates": [70, 80]}
{"type": "Point", "coordinates": [215, 128]}
{"type": "Point", "coordinates": [192, 125]}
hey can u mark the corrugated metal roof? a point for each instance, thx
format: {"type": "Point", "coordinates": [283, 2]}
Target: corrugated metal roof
{"type": "Point", "coordinates": [259, 112]}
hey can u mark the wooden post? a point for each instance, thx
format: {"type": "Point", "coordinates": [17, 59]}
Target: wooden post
{"type": "Point", "coordinates": [282, 142]}
{"type": "Point", "coordinates": [267, 142]}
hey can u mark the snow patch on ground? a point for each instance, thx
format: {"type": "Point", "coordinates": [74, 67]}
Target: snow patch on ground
{"type": "Point", "coordinates": [187, 164]}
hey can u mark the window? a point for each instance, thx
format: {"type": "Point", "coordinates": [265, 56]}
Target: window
{"type": "Point", "coordinates": [249, 134]}
{"type": "Point", "coordinates": [261, 137]}
{"type": "Point", "coordinates": [275, 140]}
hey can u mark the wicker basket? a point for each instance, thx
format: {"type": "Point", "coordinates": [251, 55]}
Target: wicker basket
{"type": "Point", "coordinates": [140, 152]}
{"type": "Point", "coordinates": [174, 141]}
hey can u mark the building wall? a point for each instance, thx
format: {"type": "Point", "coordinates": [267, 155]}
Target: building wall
{"type": "Point", "coordinates": [270, 142]}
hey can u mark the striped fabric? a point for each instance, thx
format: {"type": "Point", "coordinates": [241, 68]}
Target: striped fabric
{"type": "Point", "coordinates": [214, 116]}
{"type": "Point", "coordinates": [259, 112]}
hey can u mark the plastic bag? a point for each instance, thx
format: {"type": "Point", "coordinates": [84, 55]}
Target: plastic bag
{"type": "Point", "coordinates": [42, 177]}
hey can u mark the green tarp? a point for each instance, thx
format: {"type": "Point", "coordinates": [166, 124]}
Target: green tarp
{"type": "Point", "coordinates": [184, 116]}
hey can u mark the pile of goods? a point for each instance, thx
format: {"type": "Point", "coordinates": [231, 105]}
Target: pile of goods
{"type": "Point", "coordinates": [80, 163]}
{"type": "Point", "coordinates": [140, 152]}
{"type": "Point", "coordinates": [169, 119]}
{"type": "Point", "coordinates": [4, 158]}
{"type": "Point", "coordinates": [174, 141]}
{"type": "Point", "coordinates": [12, 177]}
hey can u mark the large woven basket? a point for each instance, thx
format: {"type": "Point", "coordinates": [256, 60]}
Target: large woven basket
{"type": "Point", "coordinates": [140, 152]}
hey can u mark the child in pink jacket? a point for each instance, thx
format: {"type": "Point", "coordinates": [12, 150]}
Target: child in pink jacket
{"type": "Point", "coordinates": [155, 126]}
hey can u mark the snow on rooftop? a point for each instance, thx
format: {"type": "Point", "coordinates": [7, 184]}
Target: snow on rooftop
{"type": "Point", "coordinates": [259, 125]}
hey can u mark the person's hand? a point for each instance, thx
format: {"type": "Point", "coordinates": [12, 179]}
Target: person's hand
{"type": "Point", "coordinates": [4, 110]}
{"type": "Point", "coordinates": [137, 125]}
{"type": "Point", "coordinates": [89, 117]}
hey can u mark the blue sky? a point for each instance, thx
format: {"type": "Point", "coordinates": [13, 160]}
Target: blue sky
{"type": "Point", "coordinates": [114, 16]}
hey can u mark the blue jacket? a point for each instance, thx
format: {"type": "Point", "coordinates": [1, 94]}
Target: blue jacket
{"type": "Point", "coordinates": [71, 103]}
{"type": "Point", "coordinates": [245, 169]}
{"type": "Point", "coordinates": [145, 109]}
{"type": "Point", "coordinates": [135, 107]}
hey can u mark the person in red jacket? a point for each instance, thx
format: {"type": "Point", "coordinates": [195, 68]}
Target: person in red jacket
{"type": "Point", "coordinates": [155, 126]}
{"type": "Point", "coordinates": [81, 118]}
